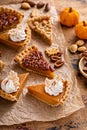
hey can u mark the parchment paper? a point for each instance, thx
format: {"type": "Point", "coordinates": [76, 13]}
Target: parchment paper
{"type": "Point", "coordinates": [28, 108]}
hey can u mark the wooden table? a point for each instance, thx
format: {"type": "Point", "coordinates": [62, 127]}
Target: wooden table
{"type": "Point", "coordinates": [78, 120]}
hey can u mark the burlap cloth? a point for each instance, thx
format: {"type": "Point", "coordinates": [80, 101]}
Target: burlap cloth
{"type": "Point", "coordinates": [76, 120]}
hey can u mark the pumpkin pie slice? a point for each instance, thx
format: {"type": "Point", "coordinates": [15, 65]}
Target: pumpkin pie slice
{"type": "Point", "coordinates": [9, 18]}
{"type": "Point", "coordinates": [31, 59]}
{"type": "Point", "coordinates": [40, 92]}
{"type": "Point", "coordinates": [16, 38]}
{"type": "Point", "coordinates": [14, 96]}
{"type": "Point", "coordinates": [42, 26]}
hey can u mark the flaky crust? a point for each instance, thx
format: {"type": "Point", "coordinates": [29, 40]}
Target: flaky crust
{"type": "Point", "coordinates": [25, 52]}
{"type": "Point", "coordinates": [46, 31]}
{"type": "Point", "coordinates": [7, 96]}
{"type": "Point", "coordinates": [65, 95]}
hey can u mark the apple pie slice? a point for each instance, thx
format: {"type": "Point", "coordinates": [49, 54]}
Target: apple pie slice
{"type": "Point", "coordinates": [7, 88]}
{"type": "Point", "coordinates": [9, 18]}
{"type": "Point", "coordinates": [17, 37]}
{"type": "Point", "coordinates": [53, 92]}
{"type": "Point", "coordinates": [42, 26]}
{"type": "Point", "coordinates": [31, 59]}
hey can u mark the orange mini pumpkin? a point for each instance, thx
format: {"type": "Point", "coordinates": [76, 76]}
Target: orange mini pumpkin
{"type": "Point", "coordinates": [81, 30]}
{"type": "Point", "coordinates": [69, 17]}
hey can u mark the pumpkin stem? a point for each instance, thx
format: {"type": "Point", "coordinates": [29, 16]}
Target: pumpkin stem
{"type": "Point", "coordinates": [84, 24]}
{"type": "Point", "coordinates": [70, 9]}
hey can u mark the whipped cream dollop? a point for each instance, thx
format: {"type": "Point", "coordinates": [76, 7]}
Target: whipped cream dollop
{"type": "Point", "coordinates": [17, 34]}
{"type": "Point", "coordinates": [11, 83]}
{"type": "Point", "coordinates": [53, 87]}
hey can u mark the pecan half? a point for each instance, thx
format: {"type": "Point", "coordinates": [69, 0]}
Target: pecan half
{"type": "Point", "coordinates": [55, 58]}
{"type": "Point", "coordinates": [31, 3]}
{"type": "Point", "coordinates": [84, 53]}
{"type": "Point", "coordinates": [40, 5]}
{"type": "Point", "coordinates": [58, 63]}
{"type": "Point", "coordinates": [59, 53]}
{"type": "Point", "coordinates": [47, 7]}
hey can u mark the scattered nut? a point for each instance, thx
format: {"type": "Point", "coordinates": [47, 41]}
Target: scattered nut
{"type": "Point", "coordinates": [58, 63]}
{"type": "Point", "coordinates": [82, 49]}
{"type": "Point", "coordinates": [25, 5]}
{"type": "Point", "coordinates": [84, 53]}
{"type": "Point", "coordinates": [59, 54]}
{"type": "Point", "coordinates": [80, 42]}
{"type": "Point", "coordinates": [40, 5]}
{"type": "Point", "coordinates": [52, 51]}
{"type": "Point", "coordinates": [73, 48]}
{"type": "Point", "coordinates": [55, 58]}
{"type": "Point", "coordinates": [31, 3]}
{"type": "Point", "coordinates": [47, 7]}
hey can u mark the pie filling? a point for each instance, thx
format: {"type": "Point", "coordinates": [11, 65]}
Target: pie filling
{"type": "Point", "coordinates": [7, 19]}
{"type": "Point", "coordinates": [36, 60]}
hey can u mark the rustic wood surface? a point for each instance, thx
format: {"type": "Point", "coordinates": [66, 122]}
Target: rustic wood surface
{"type": "Point", "coordinates": [78, 120]}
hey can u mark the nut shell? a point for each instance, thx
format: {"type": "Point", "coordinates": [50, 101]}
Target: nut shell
{"type": "Point", "coordinates": [82, 49]}
{"type": "Point", "coordinates": [31, 3]}
{"type": "Point", "coordinates": [40, 5]}
{"type": "Point", "coordinates": [25, 5]}
{"type": "Point", "coordinates": [80, 42]}
{"type": "Point", "coordinates": [73, 48]}
{"type": "Point", "coordinates": [47, 7]}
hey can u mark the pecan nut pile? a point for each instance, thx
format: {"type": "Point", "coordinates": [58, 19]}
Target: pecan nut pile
{"type": "Point", "coordinates": [57, 59]}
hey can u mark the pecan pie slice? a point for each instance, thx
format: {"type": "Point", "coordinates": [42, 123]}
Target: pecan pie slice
{"type": "Point", "coordinates": [15, 95]}
{"type": "Point", "coordinates": [31, 59]}
{"type": "Point", "coordinates": [42, 26]}
{"type": "Point", "coordinates": [38, 91]}
{"type": "Point", "coordinates": [9, 18]}
{"type": "Point", "coordinates": [5, 37]}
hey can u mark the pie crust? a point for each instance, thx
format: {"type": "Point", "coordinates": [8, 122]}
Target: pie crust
{"type": "Point", "coordinates": [42, 26]}
{"type": "Point", "coordinates": [15, 96]}
{"type": "Point", "coordinates": [29, 51]}
{"type": "Point", "coordinates": [14, 17]}
{"type": "Point", "coordinates": [38, 91]}
{"type": "Point", "coordinates": [5, 39]}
